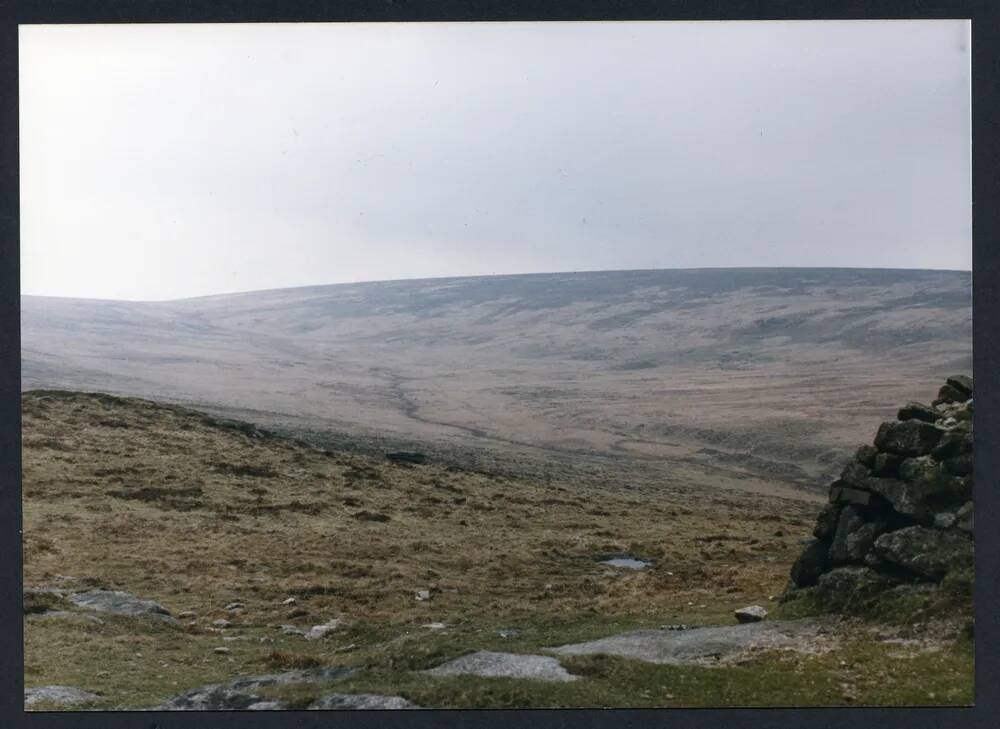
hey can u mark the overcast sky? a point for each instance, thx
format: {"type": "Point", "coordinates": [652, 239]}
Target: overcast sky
{"type": "Point", "coordinates": [168, 161]}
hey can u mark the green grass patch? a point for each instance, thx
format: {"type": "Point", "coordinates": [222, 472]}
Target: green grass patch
{"type": "Point", "coordinates": [899, 606]}
{"type": "Point", "coordinates": [841, 678]}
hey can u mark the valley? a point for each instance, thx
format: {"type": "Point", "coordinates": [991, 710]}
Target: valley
{"type": "Point", "coordinates": [756, 377]}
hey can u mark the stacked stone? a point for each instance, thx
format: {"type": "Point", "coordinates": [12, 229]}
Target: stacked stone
{"type": "Point", "coordinates": [901, 511]}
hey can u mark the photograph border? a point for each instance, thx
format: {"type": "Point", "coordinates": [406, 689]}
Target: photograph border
{"type": "Point", "coordinates": [985, 17]}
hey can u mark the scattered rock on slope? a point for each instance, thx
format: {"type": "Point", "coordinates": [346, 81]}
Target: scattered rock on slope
{"type": "Point", "coordinates": [751, 614]}
{"type": "Point", "coordinates": [121, 603]}
{"type": "Point", "coordinates": [241, 693]}
{"type": "Point", "coordinates": [218, 697]}
{"type": "Point", "coordinates": [508, 665]}
{"type": "Point", "coordinates": [61, 695]}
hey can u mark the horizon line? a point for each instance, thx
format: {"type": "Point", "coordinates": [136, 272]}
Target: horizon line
{"type": "Point", "coordinates": [244, 292]}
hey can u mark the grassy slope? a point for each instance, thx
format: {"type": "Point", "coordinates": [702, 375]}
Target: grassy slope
{"type": "Point", "coordinates": [173, 506]}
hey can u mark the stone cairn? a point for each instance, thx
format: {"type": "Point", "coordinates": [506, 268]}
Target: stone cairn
{"type": "Point", "coordinates": [901, 511]}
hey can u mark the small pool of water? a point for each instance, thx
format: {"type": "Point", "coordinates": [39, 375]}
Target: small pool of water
{"type": "Point", "coordinates": [626, 563]}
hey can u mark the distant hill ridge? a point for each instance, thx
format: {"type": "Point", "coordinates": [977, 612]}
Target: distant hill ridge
{"type": "Point", "coordinates": [781, 367]}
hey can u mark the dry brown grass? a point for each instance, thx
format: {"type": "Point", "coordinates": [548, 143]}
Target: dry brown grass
{"type": "Point", "coordinates": [144, 506]}
{"type": "Point", "coordinates": [281, 660]}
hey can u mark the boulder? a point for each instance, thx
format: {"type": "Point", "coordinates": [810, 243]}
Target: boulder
{"type": "Point", "coordinates": [904, 498]}
{"type": "Point", "coordinates": [877, 563]}
{"type": "Point", "coordinates": [907, 438]}
{"type": "Point", "coordinates": [861, 540]}
{"type": "Point", "coordinates": [58, 695]}
{"type": "Point", "coordinates": [866, 455]}
{"type": "Point", "coordinates": [929, 553]}
{"type": "Point", "coordinates": [921, 468]}
{"type": "Point", "coordinates": [960, 465]}
{"type": "Point", "coordinates": [932, 482]}
{"type": "Point", "coordinates": [961, 488]}
{"type": "Point", "coordinates": [318, 631]}
{"type": "Point", "coordinates": [842, 493]}
{"type": "Point", "coordinates": [949, 394]}
{"type": "Point", "coordinates": [750, 614]}
{"type": "Point", "coordinates": [964, 517]}
{"type": "Point", "coordinates": [241, 693]}
{"type": "Point", "coordinates": [961, 383]}
{"type": "Point", "coordinates": [918, 411]}
{"type": "Point", "coordinates": [938, 482]}
{"type": "Point", "coordinates": [505, 665]}
{"type": "Point", "coordinates": [945, 519]}
{"type": "Point", "coordinates": [952, 444]}
{"type": "Point", "coordinates": [826, 522]}
{"type": "Point", "coordinates": [886, 465]}
{"type": "Point", "coordinates": [116, 602]}
{"type": "Point", "coordinates": [854, 473]}
{"type": "Point", "coordinates": [811, 563]}
{"type": "Point", "coordinates": [845, 586]}
{"type": "Point", "coordinates": [850, 521]}
{"type": "Point", "coordinates": [215, 697]}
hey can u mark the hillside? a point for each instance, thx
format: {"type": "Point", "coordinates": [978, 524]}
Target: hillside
{"type": "Point", "coordinates": [751, 378]}
{"type": "Point", "coordinates": [265, 554]}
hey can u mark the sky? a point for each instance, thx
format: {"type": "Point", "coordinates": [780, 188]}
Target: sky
{"type": "Point", "coordinates": [169, 161]}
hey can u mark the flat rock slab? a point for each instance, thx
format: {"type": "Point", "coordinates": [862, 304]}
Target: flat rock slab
{"type": "Point", "coordinates": [218, 697]}
{"type": "Point", "coordinates": [121, 603]}
{"type": "Point", "coordinates": [700, 646]}
{"type": "Point", "coordinates": [54, 591]}
{"type": "Point", "coordinates": [626, 563]}
{"type": "Point", "coordinates": [361, 701]}
{"type": "Point", "coordinates": [62, 695]}
{"type": "Point", "coordinates": [240, 693]}
{"type": "Point", "coordinates": [67, 615]}
{"type": "Point", "coordinates": [505, 665]}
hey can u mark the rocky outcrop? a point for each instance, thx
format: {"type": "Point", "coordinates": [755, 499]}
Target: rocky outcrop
{"type": "Point", "coordinates": [708, 646]}
{"type": "Point", "coordinates": [901, 511]}
{"type": "Point", "coordinates": [504, 665]}
{"type": "Point", "coordinates": [242, 694]}
{"type": "Point", "coordinates": [117, 602]}
{"type": "Point", "coordinates": [58, 696]}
